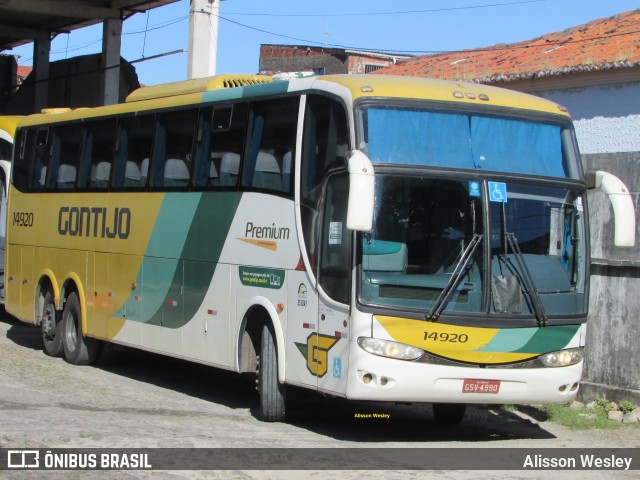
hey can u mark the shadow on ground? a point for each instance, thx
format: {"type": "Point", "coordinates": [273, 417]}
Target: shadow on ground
{"type": "Point", "coordinates": [328, 416]}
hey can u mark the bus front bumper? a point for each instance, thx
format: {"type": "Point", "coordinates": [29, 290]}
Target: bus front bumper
{"type": "Point", "coordinates": [372, 377]}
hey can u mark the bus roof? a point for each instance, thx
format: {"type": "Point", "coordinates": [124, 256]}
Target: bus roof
{"type": "Point", "coordinates": [9, 123]}
{"type": "Point", "coordinates": [396, 86]}
{"type": "Point", "coordinates": [197, 85]}
{"type": "Point", "coordinates": [232, 87]}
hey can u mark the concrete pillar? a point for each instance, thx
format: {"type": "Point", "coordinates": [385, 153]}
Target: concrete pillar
{"type": "Point", "coordinates": [203, 38]}
{"type": "Point", "coordinates": [111, 41]}
{"type": "Point", "coordinates": [41, 50]}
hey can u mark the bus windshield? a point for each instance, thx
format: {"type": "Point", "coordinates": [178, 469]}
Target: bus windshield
{"type": "Point", "coordinates": [456, 242]}
{"type": "Point", "coordinates": [415, 136]}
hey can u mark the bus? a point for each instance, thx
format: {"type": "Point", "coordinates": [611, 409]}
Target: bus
{"type": "Point", "coordinates": [373, 238]}
{"type": "Point", "coordinates": [8, 126]}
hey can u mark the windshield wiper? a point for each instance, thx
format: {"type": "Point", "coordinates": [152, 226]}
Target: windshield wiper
{"type": "Point", "coordinates": [532, 292]}
{"type": "Point", "coordinates": [461, 269]}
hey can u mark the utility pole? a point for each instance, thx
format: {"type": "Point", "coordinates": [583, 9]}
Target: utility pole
{"type": "Point", "coordinates": [203, 38]}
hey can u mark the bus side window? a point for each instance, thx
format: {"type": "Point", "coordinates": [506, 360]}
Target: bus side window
{"type": "Point", "coordinates": [219, 142]}
{"type": "Point", "coordinates": [62, 171]}
{"type": "Point", "coordinates": [227, 146]}
{"type": "Point", "coordinates": [336, 240]}
{"type": "Point", "coordinates": [173, 148]}
{"type": "Point", "coordinates": [24, 159]}
{"type": "Point", "coordinates": [132, 153]}
{"type": "Point", "coordinates": [324, 146]}
{"type": "Point", "coordinates": [273, 135]}
{"type": "Point", "coordinates": [37, 151]}
{"type": "Point", "coordinates": [98, 143]}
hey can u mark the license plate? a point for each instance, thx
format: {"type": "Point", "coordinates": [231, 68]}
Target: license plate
{"type": "Point", "coordinates": [480, 386]}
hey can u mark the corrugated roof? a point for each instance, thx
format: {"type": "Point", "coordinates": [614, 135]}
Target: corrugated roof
{"type": "Point", "coordinates": [603, 44]}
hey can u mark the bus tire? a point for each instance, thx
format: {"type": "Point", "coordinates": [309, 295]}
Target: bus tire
{"type": "Point", "coordinates": [272, 394]}
{"type": "Point", "coordinates": [78, 349]}
{"type": "Point", "coordinates": [51, 327]}
{"type": "Point", "coordinates": [449, 413]}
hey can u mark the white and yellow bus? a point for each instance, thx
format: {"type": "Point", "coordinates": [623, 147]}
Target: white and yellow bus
{"type": "Point", "coordinates": [8, 126]}
{"type": "Point", "coordinates": [368, 237]}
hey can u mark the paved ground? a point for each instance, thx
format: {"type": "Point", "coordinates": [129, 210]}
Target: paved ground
{"type": "Point", "coordinates": [142, 400]}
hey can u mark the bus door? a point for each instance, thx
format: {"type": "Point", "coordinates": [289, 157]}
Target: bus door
{"type": "Point", "coordinates": [324, 192]}
{"type": "Point", "coordinates": [331, 354]}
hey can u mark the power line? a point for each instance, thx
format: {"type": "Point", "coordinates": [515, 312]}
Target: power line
{"type": "Point", "coordinates": [425, 52]}
{"type": "Point", "coordinates": [96, 70]}
{"type": "Point", "coordinates": [371, 14]}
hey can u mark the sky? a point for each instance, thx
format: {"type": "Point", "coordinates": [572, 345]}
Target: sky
{"type": "Point", "coordinates": [416, 27]}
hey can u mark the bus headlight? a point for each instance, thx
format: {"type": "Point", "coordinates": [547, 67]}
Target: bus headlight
{"type": "Point", "coordinates": [563, 358]}
{"type": "Point", "coordinates": [387, 348]}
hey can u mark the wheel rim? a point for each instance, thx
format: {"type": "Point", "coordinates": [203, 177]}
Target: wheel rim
{"type": "Point", "coordinates": [71, 331]}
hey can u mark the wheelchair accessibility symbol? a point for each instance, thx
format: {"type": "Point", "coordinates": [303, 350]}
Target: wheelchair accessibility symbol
{"type": "Point", "coordinates": [498, 192]}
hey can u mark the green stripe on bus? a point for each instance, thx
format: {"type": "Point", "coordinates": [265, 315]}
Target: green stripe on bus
{"type": "Point", "coordinates": [265, 89]}
{"type": "Point", "coordinates": [160, 264]}
{"type": "Point", "coordinates": [173, 224]}
{"type": "Point", "coordinates": [548, 339]}
{"type": "Point", "coordinates": [204, 245]}
{"type": "Point", "coordinates": [176, 273]}
{"type": "Point", "coordinates": [245, 92]}
{"type": "Point", "coordinates": [531, 340]}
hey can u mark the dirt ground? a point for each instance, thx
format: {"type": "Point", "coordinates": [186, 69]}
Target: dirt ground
{"type": "Point", "coordinates": [142, 400]}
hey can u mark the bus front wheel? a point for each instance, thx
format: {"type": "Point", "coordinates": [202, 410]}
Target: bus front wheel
{"type": "Point", "coordinates": [51, 327]}
{"type": "Point", "coordinates": [78, 349]}
{"type": "Point", "coordinates": [272, 394]}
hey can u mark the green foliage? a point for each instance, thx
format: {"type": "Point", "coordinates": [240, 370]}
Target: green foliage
{"type": "Point", "coordinates": [602, 406]}
{"type": "Point", "coordinates": [596, 416]}
{"type": "Point", "coordinates": [626, 406]}
{"type": "Point", "coordinates": [578, 419]}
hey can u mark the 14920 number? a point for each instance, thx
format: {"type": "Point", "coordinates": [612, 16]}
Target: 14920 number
{"type": "Point", "coordinates": [446, 337]}
{"type": "Point", "coordinates": [22, 219]}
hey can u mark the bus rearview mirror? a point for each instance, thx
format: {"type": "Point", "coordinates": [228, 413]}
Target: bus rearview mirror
{"type": "Point", "coordinates": [622, 203]}
{"type": "Point", "coordinates": [361, 192]}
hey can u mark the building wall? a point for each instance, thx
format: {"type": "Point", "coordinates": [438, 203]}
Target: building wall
{"type": "Point", "coordinates": [74, 83]}
{"type": "Point", "coordinates": [292, 59]}
{"type": "Point", "coordinates": [607, 122]}
{"type": "Point", "coordinates": [289, 58]}
{"type": "Point", "coordinates": [607, 117]}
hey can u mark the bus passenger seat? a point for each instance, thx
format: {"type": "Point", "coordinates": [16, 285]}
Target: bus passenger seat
{"type": "Point", "coordinates": [229, 167]}
{"type": "Point", "coordinates": [66, 176]}
{"type": "Point", "coordinates": [131, 175]}
{"type": "Point", "coordinates": [43, 177]}
{"type": "Point", "coordinates": [102, 174]}
{"type": "Point", "coordinates": [144, 171]}
{"type": "Point", "coordinates": [267, 172]}
{"type": "Point", "coordinates": [286, 170]}
{"type": "Point", "coordinates": [176, 173]}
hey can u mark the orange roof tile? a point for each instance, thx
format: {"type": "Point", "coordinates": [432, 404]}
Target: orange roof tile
{"type": "Point", "coordinates": [604, 44]}
{"type": "Point", "coordinates": [23, 72]}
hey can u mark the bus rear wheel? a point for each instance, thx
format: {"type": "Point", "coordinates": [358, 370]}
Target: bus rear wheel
{"type": "Point", "coordinates": [449, 413]}
{"type": "Point", "coordinates": [272, 394]}
{"type": "Point", "coordinates": [51, 327]}
{"type": "Point", "coordinates": [78, 349]}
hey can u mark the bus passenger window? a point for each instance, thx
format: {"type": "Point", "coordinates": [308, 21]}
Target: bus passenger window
{"type": "Point", "coordinates": [324, 146]}
{"type": "Point", "coordinates": [220, 140]}
{"type": "Point", "coordinates": [173, 148]}
{"type": "Point", "coordinates": [133, 151]}
{"type": "Point", "coordinates": [65, 156]}
{"type": "Point", "coordinates": [24, 159]}
{"type": "Point", "coordinates": [97, 154]}
{"type": "Point", "coordinates": [273, 134]}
